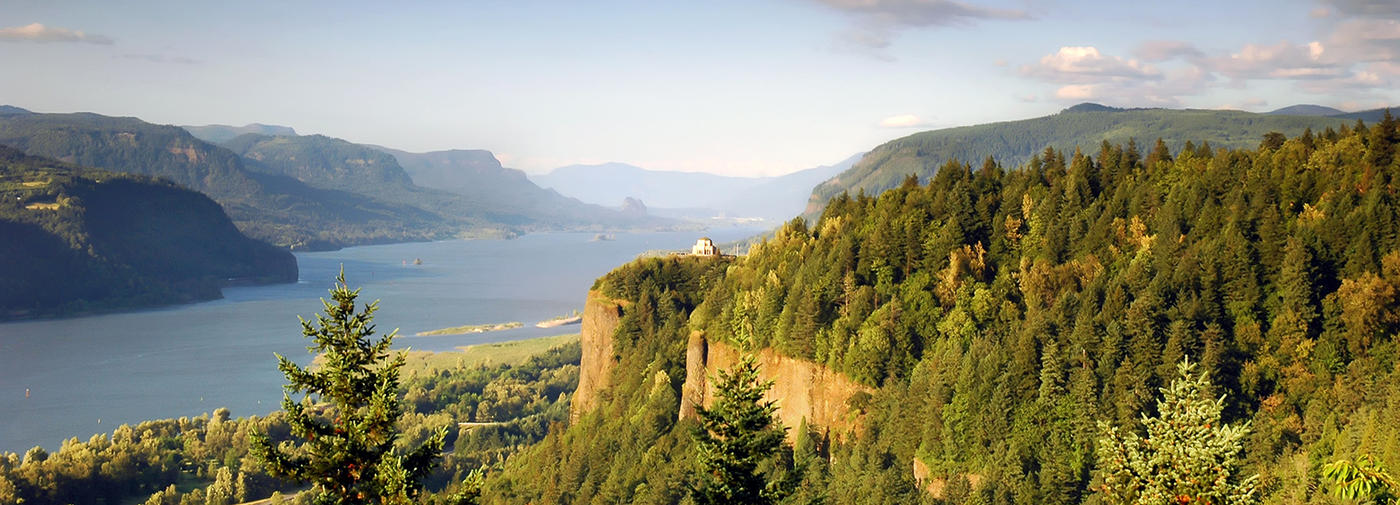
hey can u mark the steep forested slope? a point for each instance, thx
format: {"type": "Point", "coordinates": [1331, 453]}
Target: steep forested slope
{"type": "Point", "coordinates": [271, 207]}
{"type": "Point", "coordinates": [1002, 314]}
{"type": "Point", "coordinates": [77, 239]}
{"type": "Point", "coordinates": [476, 174]}
{"type": "Point", "coordinates": [1084, 126]}
{"type": "Point", "coordinates": [218, 133]}
{"type": "Point", "coordinates": [480, 196]}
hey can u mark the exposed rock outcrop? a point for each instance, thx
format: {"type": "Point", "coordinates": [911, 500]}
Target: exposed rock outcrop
{"type": "Point", "coordinates": [600, 319]}
{"type": "Point", "coordinates": [801, 389]}
{"type": "Point", "coordinates": [937, 486]}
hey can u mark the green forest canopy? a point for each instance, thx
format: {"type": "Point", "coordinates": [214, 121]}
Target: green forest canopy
{"type": "Point", "coordinates": [1013, 143]}
{"type": "Point", "coordinates": [1002, 313]}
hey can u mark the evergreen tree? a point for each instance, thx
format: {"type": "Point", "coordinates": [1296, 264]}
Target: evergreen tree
{"type": "Point", "coordinates": [735, 435]}
{"type": "Point", "coordinates": [1366, 479]}
{"type": "Point", "coordinates": [348, 452]}
{"type": "Point", "coordinates": [1187, 455]}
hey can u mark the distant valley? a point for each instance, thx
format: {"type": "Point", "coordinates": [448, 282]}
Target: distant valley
{"type": "Point", "coordinates": [105, 213]}
{"type": "Point", "coordinates": [309, 192]}
{"type": "Point", "coordinates": [692, 195]}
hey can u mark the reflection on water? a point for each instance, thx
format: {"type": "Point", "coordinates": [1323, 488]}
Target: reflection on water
{"type": "Point", "coordinates": [88, 375]}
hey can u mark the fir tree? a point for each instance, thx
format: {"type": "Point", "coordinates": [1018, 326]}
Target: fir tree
{"type": "Point", "coordinates": [1187, 455]}
{"type": "Point", "coordinates": [1366, 480]}
{"type": "Point", "coordinates": [348, 452]}
{"type": "Point", "coordinates": [735, 435]}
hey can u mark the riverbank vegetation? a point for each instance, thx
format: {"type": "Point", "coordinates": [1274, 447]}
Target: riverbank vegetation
{"type": "Point", "coordinates": [206, 460]}
{"type": "Point", "coordinates": [471, 328]}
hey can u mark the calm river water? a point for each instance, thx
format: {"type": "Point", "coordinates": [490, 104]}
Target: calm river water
{"type": "Point", "coordinates": [91, 374]}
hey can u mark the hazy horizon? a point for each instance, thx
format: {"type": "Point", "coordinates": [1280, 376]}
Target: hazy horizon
{"type": "Point", "coordinates": [732, 88]}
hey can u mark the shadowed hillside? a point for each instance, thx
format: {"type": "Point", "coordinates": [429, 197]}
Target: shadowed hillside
{"type": "Point", "coordinates": [79, 239]}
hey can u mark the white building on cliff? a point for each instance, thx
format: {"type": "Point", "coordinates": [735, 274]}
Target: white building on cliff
{"type": "Point", "coordinates": [704, 247]}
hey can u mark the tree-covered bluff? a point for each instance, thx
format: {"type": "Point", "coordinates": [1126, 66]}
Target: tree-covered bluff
{"type": "Point", "coordinates": [79, 239]}
{"type": "Point", "coordinates": [1012, 143]}
{"type": "Point", "coordinates": [303, 192]}
{"type": "Point", "coordinates": [270, 207]}
{"type": "Point", "coordinates": [1000, 314]}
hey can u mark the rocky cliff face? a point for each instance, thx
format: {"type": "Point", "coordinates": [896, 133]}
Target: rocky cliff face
{"type": "Point", "coordinates": [600, 318]}
{"type": "Point", "coordinates": [801, 389]}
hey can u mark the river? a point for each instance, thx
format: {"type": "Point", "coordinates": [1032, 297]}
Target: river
{"type": "Point", "coordinates": [75, 377]}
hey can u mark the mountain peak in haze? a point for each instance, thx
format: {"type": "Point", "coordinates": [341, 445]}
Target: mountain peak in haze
{"type": "Point", "coordinates": [1306, 109]}
{"type": "Point", "coordinates": [691, 194]}
{"type": "Point", "coordinates": [10, 109]}
{"type": "Point", "coordinates": [219, 133]}
{"type": "Point", "coordinates": [1092, 107]}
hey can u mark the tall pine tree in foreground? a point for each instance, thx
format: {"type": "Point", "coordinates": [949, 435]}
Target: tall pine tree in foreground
{"type": "Point", "coordinates": [1186, 457]}
{"type": "Point", "coordinates": [348, 413]}
{"type": "Point", "coordinates": [736, 434]}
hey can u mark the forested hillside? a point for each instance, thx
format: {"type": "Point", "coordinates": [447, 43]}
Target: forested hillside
{"type": "Point", "coordinates": [79, 239]}
{"type": "Point", "coordinates": [273, 208]}
{"type": "Point", "coordinates": [218, 133]}
{"type": "Point", "coordinates": [1012, 143]}
{"type": "Point", "coordinates": [479, 176]}
{"type": "Point", "coordinates": [1001, 313]}
{"type": "Point", "coordinates": [303, 192]}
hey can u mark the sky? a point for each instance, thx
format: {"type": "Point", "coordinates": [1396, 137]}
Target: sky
{"type": "Point", "coordinates": [748, 88]}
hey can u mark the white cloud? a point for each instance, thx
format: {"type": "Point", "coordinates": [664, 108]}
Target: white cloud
{"type": "Point", "coordinates": [1076, 92]}
{"type": "Point", "coordinates": [1084, 73]}
{"type": "Point", "coordinates": [36, 32]}
{"type": "Point", "coordinates": [923, 12]}
{"type": "Point", "coordinates": [1085, 65]}
{"type": "Point", "coordinates": [1283, 60]}
{"type": "Point", "coordinates": [1163, 50]}
{"type": "Point", "coordinates": [1357, 57]}
{"type": "Point", "coordinates": [1366, 39]}
{"type": "Point", "coordinates": [903, 121]}
{"type": "Point", "coordinates": [1366, 8]}
{"type": "Point", "coordinates": [877, 22]}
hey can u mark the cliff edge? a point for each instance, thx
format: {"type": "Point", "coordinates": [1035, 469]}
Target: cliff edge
{"type": "Point", "coordinates": [801, 389]}
{"type": "Point", "coordinates": [600, 319]}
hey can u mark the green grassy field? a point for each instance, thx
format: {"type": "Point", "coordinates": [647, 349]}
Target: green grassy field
{"type": "Point", "coordinates": [471, 328]}
{"type": "Point", "coordinates": [513, 352]}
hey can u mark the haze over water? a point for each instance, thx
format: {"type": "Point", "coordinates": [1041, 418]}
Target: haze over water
{"type": "Point", "coordinates": [191, 359]}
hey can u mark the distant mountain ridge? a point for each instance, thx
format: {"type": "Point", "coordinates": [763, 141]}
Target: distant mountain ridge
{"type": "Point", "coordinates": [218, 133]}
{"type": "Point", "coordinates": [477, 174]}
{"type": "Point", "coordinates": [774, 198]}
{"type": "Point", "coordinates": [308, 192]}
{"type": "Point", "coordinates": [1306, 110]}
{"type": "Point", "coordinates": [270, 207]}
{"type": "Point", "coordinates": [610, 183]}
{"type": "Point", "coordinates": [1085, 126]}
{"type": "Point", "coordinates": [80, 239]}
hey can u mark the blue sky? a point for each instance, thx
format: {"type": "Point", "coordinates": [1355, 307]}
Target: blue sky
{"type": "Point", "coordinates": [734, 87]}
